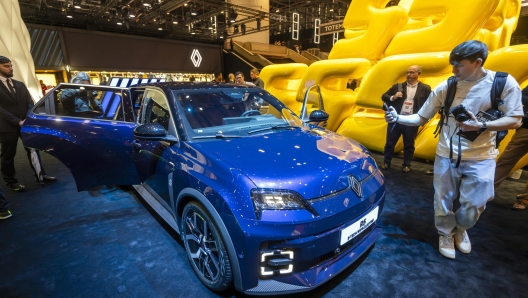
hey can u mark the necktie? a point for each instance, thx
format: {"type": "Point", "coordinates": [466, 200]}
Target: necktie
{"type": "Point", "coordinates": [10, 86]}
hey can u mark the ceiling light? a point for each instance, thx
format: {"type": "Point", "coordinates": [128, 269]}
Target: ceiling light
{"type": "Point", "coordinates": [69, 13]}
{"type": "Point", "coordinates": [132, 15]}
{"type": "Point", "coordinates": [119, 23]}
{"type": "Point", "coordinates": [146, 4]}
{"type": "Point", "coordinates": [193, 11]}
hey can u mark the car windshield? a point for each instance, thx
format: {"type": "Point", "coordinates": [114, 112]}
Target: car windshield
{"type": "Point", "coordinates": [234, 112]}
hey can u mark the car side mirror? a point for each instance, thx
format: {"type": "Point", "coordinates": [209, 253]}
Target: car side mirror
{"type": "Point", "coordinates": [154, 132]}
{"type": "Point", "coordinates": [150, 131]}
{"type": "Point", "coordinates": [318, 116]}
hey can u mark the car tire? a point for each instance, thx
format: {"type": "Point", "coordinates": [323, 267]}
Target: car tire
{"type": "Point", "coordinates": [205, 248]}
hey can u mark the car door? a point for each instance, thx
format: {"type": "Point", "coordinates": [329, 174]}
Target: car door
{"type": "Point", "coordinates": [96, 147]}
{"type": "Point", "coordinates": [159, 162]}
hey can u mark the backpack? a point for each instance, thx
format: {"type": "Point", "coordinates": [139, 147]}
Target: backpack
{"type": "Point", "coordinates": [495, 96]}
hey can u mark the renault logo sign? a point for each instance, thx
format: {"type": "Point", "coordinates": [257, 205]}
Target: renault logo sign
{"type": "Point", "coordinates": [196, 58]}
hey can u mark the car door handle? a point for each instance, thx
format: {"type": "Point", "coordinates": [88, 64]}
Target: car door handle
{"type": "Point", "coordinates": [136, 145]}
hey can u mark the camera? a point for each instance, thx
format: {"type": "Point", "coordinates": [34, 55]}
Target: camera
{"type": "Point", "coordinates": [83, 91]}
{"type": "Point", "coordinates": [460, 113]}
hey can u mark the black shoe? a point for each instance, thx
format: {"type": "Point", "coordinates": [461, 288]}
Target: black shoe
{"type": "Point", "coordinates": [46, 178]}
{"type": "Point", "coordinates": [17, 187]}
{"type": "Point", "coordinates": [429, 173]}
{"type": "Point", "coordinates": [5, 215]}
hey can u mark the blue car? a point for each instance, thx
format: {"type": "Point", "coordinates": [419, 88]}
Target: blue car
{"type": "Point", "coordinates": [264, 200]}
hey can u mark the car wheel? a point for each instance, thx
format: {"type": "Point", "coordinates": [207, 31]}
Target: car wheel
{"type": "Point", "coordinates": [205, 248]}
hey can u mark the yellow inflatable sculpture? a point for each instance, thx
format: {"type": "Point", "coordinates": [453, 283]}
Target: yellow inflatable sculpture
{"type": "Point", "coordinates": [381, 43]}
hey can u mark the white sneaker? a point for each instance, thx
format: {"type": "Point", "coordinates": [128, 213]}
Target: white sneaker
{"type": "Point", "coordinates": [462, 241]}
{"type": "Point", "coordinates": [446, 247]}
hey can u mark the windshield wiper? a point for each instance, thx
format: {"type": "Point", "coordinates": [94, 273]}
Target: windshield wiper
{"type": "Point", "coordinates": [217, 136]}
{"type": "Point", "coordinates": [273, 127]}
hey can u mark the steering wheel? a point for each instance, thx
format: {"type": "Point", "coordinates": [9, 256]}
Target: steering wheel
{"type": "Point", "coordinates": [250, 113]}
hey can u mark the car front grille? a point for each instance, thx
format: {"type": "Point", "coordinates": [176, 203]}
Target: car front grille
{"type": "Point", "coordinates": [334, 253]}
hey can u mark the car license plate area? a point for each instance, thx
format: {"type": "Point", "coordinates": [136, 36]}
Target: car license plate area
{"type": "Point", "coordinates": [359, 226]}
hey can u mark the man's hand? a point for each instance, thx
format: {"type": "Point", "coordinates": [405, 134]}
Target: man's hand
{"type": "Point", "coordinates": [390, 115]}
{"type": "Point", "coordinates": [397, 95]}
{"type": "Point", "coordinates": [21, 122]}
{"type": "Point", "coordinates": [470, 125]}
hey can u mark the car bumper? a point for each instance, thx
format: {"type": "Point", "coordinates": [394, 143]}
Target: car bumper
{"type": "Point", "coordinates": [315, 258]}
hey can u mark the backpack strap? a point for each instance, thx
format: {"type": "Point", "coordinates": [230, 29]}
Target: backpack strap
{"type": "Point", "coordinates": [444, 111]}
{"type": "Point", "coordinates": [496, 89]}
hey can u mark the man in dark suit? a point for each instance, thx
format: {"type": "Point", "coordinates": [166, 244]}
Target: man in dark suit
{"type": "Point", "coordinates": [407, 98]}
{"type": "Point", "coordinates": [15, 102]}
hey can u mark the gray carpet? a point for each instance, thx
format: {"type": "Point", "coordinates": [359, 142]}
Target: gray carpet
{"type": "Point", "coordinates": [108, 243]}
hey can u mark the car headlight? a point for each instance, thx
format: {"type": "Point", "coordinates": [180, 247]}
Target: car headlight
{"type": "Point", "coordinates": [277, 199]}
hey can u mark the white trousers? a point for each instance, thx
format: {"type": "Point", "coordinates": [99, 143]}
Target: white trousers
{"type": "Point", "coordinates": [471, 182]}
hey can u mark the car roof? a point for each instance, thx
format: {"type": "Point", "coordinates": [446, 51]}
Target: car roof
{"type": "Point", "coordinates": [199, 85]}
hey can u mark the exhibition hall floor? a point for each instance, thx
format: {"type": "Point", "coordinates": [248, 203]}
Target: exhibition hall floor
{"type": "Point", "coordinates": [107, 242]}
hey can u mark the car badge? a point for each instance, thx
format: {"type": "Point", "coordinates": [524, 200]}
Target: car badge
{"type": "Point", "coordinates": [196, 58]}
{"type": "Point", "coordinates": [345, 202]}
{"type": "Point", "coordinates": [362, 223]}
{"type": "Point", "coordinates": [355, 185]}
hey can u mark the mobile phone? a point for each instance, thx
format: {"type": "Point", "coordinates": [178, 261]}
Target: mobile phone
{"type": "Point", "coordinates": [386, 107]}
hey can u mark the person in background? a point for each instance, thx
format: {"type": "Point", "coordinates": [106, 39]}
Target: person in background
{"type": "Point", "coordinates": [219, 78]}
{"type": "Point", "coordinates": [239, 77]}
{"type": "Point", "coordinates": [254, 74]}
{"type": "Point", "coordinates": [79, 101]}
{"type": "Point", "coordinates": [471, 182]}
{"type": "Point", "coordinates": [231, 78]}
{"type": "Point", "coordinates": [15, 103]}
{"type": "Point", "coordinates": [43, 87]}
{"type": "Point", "coordinates": [515, 150]}
{"type": "Point", "coordinates": [407, 98]}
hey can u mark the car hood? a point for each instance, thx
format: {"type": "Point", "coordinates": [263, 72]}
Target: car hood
{"type": "Point", "coordinates": [312, 162]}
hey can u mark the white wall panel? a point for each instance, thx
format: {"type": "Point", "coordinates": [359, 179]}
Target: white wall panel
{"type": "Point", "coordinates": [15, 44]}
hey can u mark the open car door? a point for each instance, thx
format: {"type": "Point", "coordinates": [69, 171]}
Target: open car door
{"type": "Point", "coordinates": [95, 141]}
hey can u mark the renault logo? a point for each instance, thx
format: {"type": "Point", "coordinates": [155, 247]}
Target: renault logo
{"type": "Point", "coordinates": [355, 185]}
{"type": "Point", "coordinates": [196, 58]}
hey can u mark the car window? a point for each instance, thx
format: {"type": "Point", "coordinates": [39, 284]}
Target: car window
{"type": "Point", "coordinates": [233, 111]}
{"type": "Point", "coordinates": [155, 109]}
{"type": "Point", "coordinates": [88, 101]}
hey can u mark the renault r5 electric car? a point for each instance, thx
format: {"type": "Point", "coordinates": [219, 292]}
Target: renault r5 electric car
{"type": "Point", "coordinates": [263, 200]}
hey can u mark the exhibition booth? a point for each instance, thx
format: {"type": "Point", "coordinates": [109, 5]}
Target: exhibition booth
{"type": "Point", "coordinates": [59, 53]}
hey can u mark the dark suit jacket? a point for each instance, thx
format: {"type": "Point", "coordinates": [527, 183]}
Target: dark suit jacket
{"type": "Point", "coordinates": [422, 93]}
{"type": "Point", "coordinates": [14, 108]}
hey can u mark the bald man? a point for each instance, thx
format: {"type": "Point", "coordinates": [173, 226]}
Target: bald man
{"type": "Point", "coordinates": [407, 98]}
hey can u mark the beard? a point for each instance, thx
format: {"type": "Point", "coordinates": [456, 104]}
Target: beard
{"type": "Point", "coordinates": [7, 74]}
